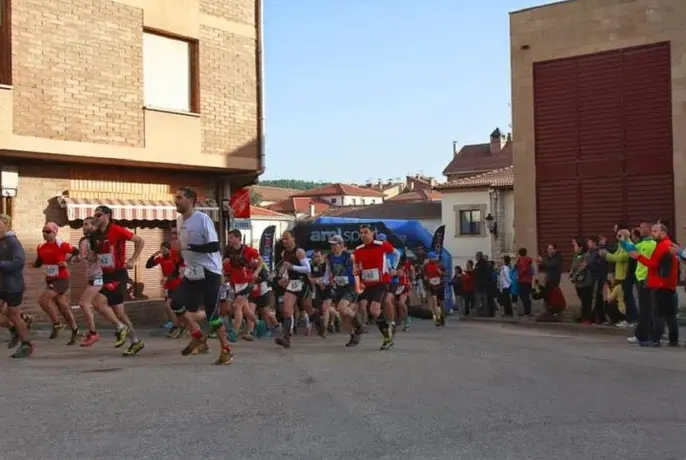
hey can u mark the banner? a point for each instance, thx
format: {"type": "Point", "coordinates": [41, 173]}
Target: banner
{"type": "Point", "coordinates": [316, 236]}
{"type": "Point", "coordinates": [240, 203]}
{"type": "Point", "coordinates": [437, 240]}
{"type": "Point", "coordinates": [267, 246]}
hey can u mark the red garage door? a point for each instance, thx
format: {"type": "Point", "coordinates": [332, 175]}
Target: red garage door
{"type": "Point", "coordinates": [603, 132]}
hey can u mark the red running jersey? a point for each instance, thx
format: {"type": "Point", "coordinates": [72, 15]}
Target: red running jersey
{"type": "Point", "coordinates": [170, 270]}
{"type": "Point", "coordinates": [239, 264]}
{"type": "Point", "coordinates": [111, 251]}
{"type": "Point", "coordinates": [51, 255]}
{"type": "Point", "coordinates": [371, 259]}
{"type": "Point", "coordinates": [433, 273]}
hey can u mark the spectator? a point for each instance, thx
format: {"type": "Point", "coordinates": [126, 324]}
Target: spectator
{"type": "Point", "coordinates": [456, 284]}
{"type": "Point", "coordinates": [644, 244]}
{"type": "Point", "coordinates": [620, 259]}
{"type": "Point", "coordinates": [468, 287]}
{"type": "Point", "coordinates": [582, 279]}
{"type": "Point", "coordinates": [482, 284]}
{"type": "Point", "coordinates": [551, 265]}
{"type": "Point", "coordinates": [504, 284]}
{"type": "Point", "coordinates": [663, 277]}
{"type": "Point", "coordinates": [599, 269]}
{"type": "Point", "coordinates": [525, 272]}
{"type": "Point", "coordinates": [613, 294]}
{"type": "Point", "coordinates": [553, 299]}
{"type": "Point", "coordinates": [493, 292]}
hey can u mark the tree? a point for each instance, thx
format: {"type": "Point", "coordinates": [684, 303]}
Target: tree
{"type": "Point", "coordinates": [255, 198]}
{"type": "Point", "coordinates": [295, 184]}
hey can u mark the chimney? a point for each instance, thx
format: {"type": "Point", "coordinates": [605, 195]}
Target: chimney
{"type": "Point", "coordinates": [497, 141]}
{"type": "Point", "coordinates": [312, 210]}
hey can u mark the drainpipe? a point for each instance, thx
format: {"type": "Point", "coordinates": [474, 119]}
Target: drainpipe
{"type": "Point", "coordinates": [259, 62]}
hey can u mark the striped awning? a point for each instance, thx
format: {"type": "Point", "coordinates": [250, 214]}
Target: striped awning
{"type": "Point", "coordinates": [131, 210]}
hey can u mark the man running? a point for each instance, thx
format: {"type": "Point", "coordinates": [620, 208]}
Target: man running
{"type": "Point", "coordinates": [341, 272]}
{"type": "Point", "coordinates": [295, 269]}
{"type": "Point", "coordinates": [202, 276]}
{"type": "Point", "coordinates": [402, 291]}
{"type": "Point", "coordinates": [388, 303]}
{"type": "Point", "coordinates": [109, 244]}
{"type": "Point", "coordinates": [241, 265]}
{"type": "Point", "coordinates": [372, 265]}
{"type": "Point", "coordinates": [433, 274]}
{"type": "Point", "coordinates": [171, 278]}
{"type": "Point", "coordinates": [12, 261]}
{"type": "Point", "coordinates": [321, 293]}
{"type": "Point", "coordinates": [261, 297]}
{"type": "Point", "coordinates": [51, 256]}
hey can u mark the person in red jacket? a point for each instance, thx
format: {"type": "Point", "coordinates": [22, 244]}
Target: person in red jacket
{"type": "Point", "coordinates": [663, 277]}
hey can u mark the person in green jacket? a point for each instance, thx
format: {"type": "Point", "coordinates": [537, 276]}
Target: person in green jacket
{"type": "Point", "coordinates": [645, 246]}
{"type": "Point", "coordinates": [620, 259]}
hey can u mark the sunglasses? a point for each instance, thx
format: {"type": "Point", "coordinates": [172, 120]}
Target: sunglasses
{"type": "Point", "coordinates": [47, 231]}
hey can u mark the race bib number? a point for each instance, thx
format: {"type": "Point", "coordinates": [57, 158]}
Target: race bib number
{"type": "Point", "coordinates": [51, 270]}
{"type": "Point", "coordinates": [264, 288]}
{"type": "Point", "coordinates": [97, 281]}
{"type": "Point", "coordinates": [371, 275]}
{"type": "Point", "coordinates": [194, 273]}
{"type": "Point", "coordinates": [295, 286]}
{"type": "Point", "coordinates": [434, 281]}
{"type": "Point", "coordinates": [106, 260]}
{"type": "Point", "coordinates": [224, 292]}
{"type": "Point", "coordinates": [341, 280]}
{"type": "Point", "coordinates": [240, 287]}
{"type": "Point", "coordinates": [399, 290]}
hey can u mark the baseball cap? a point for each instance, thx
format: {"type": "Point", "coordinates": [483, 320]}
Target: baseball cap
{"type": "Point", "coordinates": [433, 255]}
{"type": "Point", "coordinates": [336, 239]}
{"type": "Point", "coordinates": [104, 210]}
{"type": "Point", "coordinates": [381, 237]}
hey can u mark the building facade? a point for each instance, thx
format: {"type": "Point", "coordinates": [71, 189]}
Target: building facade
{"type": "Point", "coordinates": [120, 102]}
{"type": "Point", "coordinates": [478, 214]}
{"type": "Point", "coordinates": [598, 102]}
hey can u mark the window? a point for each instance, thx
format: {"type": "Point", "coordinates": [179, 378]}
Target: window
{"type": "Point", "coordinates": [170, 72]}
{"type": "Point", "coordinates": [470, 222]}
{"type": "Point", "coordinates": [5, 43]}
{"type": "Point", "coordinates": [354, 201]}
{"type": "Point", "coordinates": [333, 200]}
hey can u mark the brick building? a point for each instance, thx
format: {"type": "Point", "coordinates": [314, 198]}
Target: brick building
{"type": "Point", "coordinates": [598, 99]}
{"type": "Point", "coordinates": [120, 102]}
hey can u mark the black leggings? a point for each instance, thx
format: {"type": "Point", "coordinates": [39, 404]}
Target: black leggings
{"type": "Point", "coordinates": [585, 294]}
{"type": "Point", "coordinates": [191, 294]}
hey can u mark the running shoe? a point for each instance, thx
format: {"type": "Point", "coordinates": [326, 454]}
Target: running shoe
{"type": "Point", "coordinates": [134, 348]}
{"type": "Point", "coordinates": [121, 335]}
{"type": "Point", "coordinates": [247, 337]}
{"type": "Point", "coordinates": [74, 337]}
{"type": "Point", "coordinates": [90, 339]}
{"type": "Point", "coordinates": [225, 357]}
{"type": "Point", "coordinates": [55, 331]}
{"type": "Point", "coordinates": [232, 336]}
{"type": "Point", "coordinates": [354, 340]}
{"type": "Point", "coordinates": [167, 325]}
{"type": "Point", "coordinates": [14, 339]}
{"type": "Point", "coordinates": [407, 323]}
{"type": "Point", "coordinates": [193, 346]}
{"type": "Point", "coordinates": [24, 351]}
{"type": "Point", "coordinates": [285, 342]}
{"type": "Point", "coordinates": [387, 341]}
{"type": "Point", "coordinates": [203, 349]}
{"type": "Point", "coordinates": [172, 332]}
{"type": "Point", "coordinates": [178, 333]}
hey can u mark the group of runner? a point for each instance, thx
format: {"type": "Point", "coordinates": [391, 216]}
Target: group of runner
{"type": "Point", "coordinates": [371, 283]}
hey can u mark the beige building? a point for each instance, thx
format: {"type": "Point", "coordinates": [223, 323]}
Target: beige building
{"type": "Point", "coordinates": [599, 105]}
{"type": "Point", "coordinates": [121, 102]}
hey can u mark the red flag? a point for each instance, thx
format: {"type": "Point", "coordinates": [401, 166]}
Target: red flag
{"type": "Point", "coordinates": [240, 203]}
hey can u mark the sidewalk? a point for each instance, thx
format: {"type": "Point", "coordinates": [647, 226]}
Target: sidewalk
{"type": "Point", "coordinates": [561, 327]}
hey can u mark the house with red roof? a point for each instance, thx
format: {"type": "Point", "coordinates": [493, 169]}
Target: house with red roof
{"type": "Point", "coordinates": [475, 159]}
{"type": "Point", "coordinates": [478, 214]}
{"type": "Point", "coordinates": [309, 203]}
{"type": "Point", "coordinates": [260, 219]}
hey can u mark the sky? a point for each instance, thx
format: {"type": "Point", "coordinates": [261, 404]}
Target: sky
{"type": "Point", "coordinates": [360, 90]}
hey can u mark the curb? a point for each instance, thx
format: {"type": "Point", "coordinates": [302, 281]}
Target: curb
{"type": "Point", "coordinates": [560, 327]}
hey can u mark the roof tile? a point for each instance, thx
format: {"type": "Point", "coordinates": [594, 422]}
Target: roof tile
{"type": "Point", "coordinates": [499, 178]}
{"type": "Point", "coordinates": [477, 158]}
{"type": "Point", "coordinates": [340, 189]}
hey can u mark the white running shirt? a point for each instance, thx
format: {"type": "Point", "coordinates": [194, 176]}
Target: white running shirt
{"type": "Point", "coordinates": [199, 229]}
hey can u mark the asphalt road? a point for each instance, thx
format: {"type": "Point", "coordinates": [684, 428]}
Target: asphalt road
{"type": "Point", "coordinates": [470, 391]}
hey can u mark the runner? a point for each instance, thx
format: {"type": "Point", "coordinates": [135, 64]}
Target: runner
{"type": "Point", "coordinates": [261, 298]}
{"type": "Point", "coordinates": [202, 276]}
{"type": "Point", "coordinates": [321, 293]}
{"type": "Point", "coordinates": [389, 299]}
{"type": "Point", "coordinates": [402, 291]}
{"type": "Point", "coordinates": [51, 256]}
{"type": "Point", "coordinates": [433, 274]}
{"type": "Point", "coordinates": [372, 262]}
{"type": "Point", "coordinates": [295, 268]}
{"type": "Point", "coordinates": [12, 261]}
{"type": "Point", "coordinates": [171, 278]}
{"type": "Point", "coordinates": [341, 271]}
{"type": "Point", "coordinates": [93, 273]}
{"type": "Point", "coordinates": [241, 264]}
{"type": "Point", "coordinates": [109, 244]}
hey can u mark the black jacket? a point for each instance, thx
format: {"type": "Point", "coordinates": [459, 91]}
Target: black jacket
{"type": "Point", "coordinates": [552, 267]}
{"type": "Point", "coordinates": [482, 276]}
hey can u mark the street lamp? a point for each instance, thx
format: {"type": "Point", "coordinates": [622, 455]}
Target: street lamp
{"type": "Point", "coordinates": [492, 225]}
